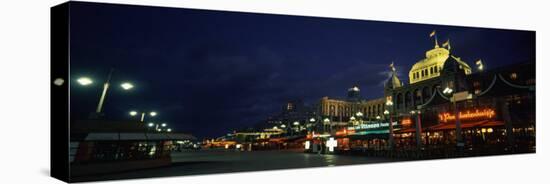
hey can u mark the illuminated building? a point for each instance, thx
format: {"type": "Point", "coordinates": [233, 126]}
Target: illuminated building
{"type": "Point", "coordinates": [495, 106]}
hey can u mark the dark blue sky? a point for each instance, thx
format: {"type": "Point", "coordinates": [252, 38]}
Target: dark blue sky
{"type": "Point", "coordinates": [210, 72]}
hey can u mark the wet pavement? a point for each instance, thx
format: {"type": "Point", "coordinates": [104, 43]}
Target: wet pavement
{"type": "Point", "coordinates": [223, 161]}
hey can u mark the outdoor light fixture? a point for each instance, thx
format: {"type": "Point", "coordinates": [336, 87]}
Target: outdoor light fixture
{"type": "Point", "coordinates": [169, 130]}
{"type": "Point", "coordinates": [377, 117]}
{"type": "Point", "coordinates": [312, 120]}
{"type": "Point", "coordinates": [296, 123]}
{"type": "Point", "coordinates": [447, 90]}
{"type": "Point", "coordinates": [126, 86]}
{"type": "Point", "coordinates": [386, 112]}
{"type": "Point", "coordinates": [153, 113]}
{"type": "Point", "coordinates": [84, 81]}
{"type": "Point", "coordinates": [163, 125]}
{"type": "Point", "coordinates": [151, 124]}
{"type": "Point", "coordinates": [283, 126]}
{"type": "Point", "coordinates": [133, 113]}
{"type": "Point", "coordinates": [359, 114]}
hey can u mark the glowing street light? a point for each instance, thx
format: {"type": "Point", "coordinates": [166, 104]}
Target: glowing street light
{"type": "Point", "coordinates": [127, 86]}
{"type": "Point", "coordinates": [134, 113]}
{"type": "Point", "coordinates": [151, 124]}
{"type": "Point", "coordinates": [447, 91]}
{"type": "Point", "coordinates": [163, 124]}
{"type": "Point", "coordinates": [283, 126]}
{"type": "Point", "coordinates": [169, 130]}
{"type": "Point", "coordinates": [84, 81]}
{"type": "Point", "coordinates": [312, 120]}
{"type": "Point", "coordinates": [87, 81]}
{"type": "Point", "coordinates": [296, 123]}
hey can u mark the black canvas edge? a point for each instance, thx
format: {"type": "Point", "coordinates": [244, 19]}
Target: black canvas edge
{"type": "Point", "coordinates": [59, 94]}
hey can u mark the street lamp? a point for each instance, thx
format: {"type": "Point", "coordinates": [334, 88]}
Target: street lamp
{"type": "Point", "coordinates": [169, 130]}
{"type": "Point", "coordinates": [458, 128]}
{"type": "Point", "coordinates": [387, 112]}
{"type": "Point", "coordinates": [418, 129]}
{"type": "Point", "coordinates": [325, 122]}
{"type": "Point", "coordinates": [127, 86]}
{"type": "Point", "coordinates": [134, 113]}
{"type": "Point", "coordinates": [163, 124]}
{"type": "Point", "coordinates": [85, 81]}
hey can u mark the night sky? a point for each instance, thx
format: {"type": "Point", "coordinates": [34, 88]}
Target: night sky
{"type": "Point", "coordinates": [211, 72]}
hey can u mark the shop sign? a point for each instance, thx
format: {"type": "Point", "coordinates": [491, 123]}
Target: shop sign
{"type": "Point", "coordinates": [477, 114]}
{"type": "Point", "coordinates": [371, 126]}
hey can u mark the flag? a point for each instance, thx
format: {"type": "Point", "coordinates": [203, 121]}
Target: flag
{"type": "Point", "coordinates": [432, 34]}
{"type": "Point", "coordinates": [446, 43]}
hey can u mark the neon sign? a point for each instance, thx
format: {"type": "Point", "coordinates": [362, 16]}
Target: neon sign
{"type": "Point", "coordinates": [469, 115]}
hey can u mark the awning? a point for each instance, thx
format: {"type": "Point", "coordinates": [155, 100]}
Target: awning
{"type": "Point", "coordinates": [466, 125]}
{"type": "Point", "coordinates": [406, 130]}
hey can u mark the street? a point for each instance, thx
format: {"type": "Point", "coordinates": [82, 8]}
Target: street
{"type": "Point", "coordinates": [222, 161]}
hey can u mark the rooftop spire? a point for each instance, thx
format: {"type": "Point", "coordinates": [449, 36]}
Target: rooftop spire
{"type": "Point", "coordinates": [393, 82]}
{"type": "Point", "coordinates": [433, 34]}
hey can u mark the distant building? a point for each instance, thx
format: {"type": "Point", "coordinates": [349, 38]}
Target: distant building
{"type": "Point", "coordinates": [341, 110]}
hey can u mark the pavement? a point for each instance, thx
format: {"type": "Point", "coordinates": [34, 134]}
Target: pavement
{"type": "Point", "coordinates": [224, 161]}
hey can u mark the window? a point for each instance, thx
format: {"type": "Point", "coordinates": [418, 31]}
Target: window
{"type": "Point", "coordinates": [435, 69]}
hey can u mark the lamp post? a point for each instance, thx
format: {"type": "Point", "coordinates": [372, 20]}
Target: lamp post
{"type": "Point", "coordinates": [325, 122]}
{"type": "Point", "coordinates": [389, 105]}
{"type": "Point", "coordinates": [458, 128]}
{"type": "Point", "coordinates": [311, 122]}
{"type": "Point", "coordinates": [418, 129]}
{"type": "Point", "coordinates": [85, 81]}
{"type": "Point", "coordinates": [156, 125]}
{"type": "Point", "coordinates": [134, 113]}
{"type": "Point", "coordinates": [360, 116]}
